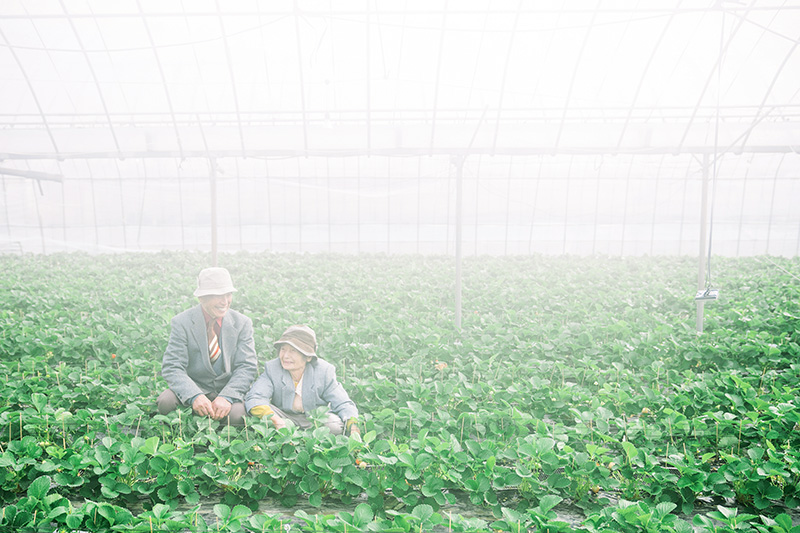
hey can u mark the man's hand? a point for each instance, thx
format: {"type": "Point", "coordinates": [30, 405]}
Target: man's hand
{"type": "Point", "coordinates": [202, 406]}
{"type": "Point", "coordinates": [354, 430]}
{"type": "Point", "coordinates": [221, 408]}
{"type": "Point", "coordinates": [278, 422]}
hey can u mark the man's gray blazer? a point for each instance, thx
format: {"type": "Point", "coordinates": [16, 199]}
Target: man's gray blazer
{"type": "Point", "coordinates": [187, 368]}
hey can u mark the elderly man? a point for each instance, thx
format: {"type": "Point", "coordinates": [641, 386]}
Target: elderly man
{"type": "Point", "coordinates": [210, 360]}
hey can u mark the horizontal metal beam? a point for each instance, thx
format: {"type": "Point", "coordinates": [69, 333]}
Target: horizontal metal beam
{"type": "Point", "coordinates": [407, 140]}
{"type": "Point", "coordinates": [32, 174]}
{"type": "Point", "coordinates": [729, 8]}
{"type": "Point", "coordinates": [608, 114]}
{"type": "Point", "coordinates": [693, 150]}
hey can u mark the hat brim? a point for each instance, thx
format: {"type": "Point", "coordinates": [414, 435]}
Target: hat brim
{"type": "Point", "coordinates": [299, 346]}
{"type": "Point", "coordinates": [213, 292]}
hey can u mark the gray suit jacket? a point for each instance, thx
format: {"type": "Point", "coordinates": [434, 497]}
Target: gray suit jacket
{"type": "Point", "coordinates": [320, 387]}
{"type": "Point", "coordinates": [187, 368]}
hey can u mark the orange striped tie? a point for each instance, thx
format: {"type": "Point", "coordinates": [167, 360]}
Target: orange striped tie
{"type": "Point", "coordinates": [213, 342]}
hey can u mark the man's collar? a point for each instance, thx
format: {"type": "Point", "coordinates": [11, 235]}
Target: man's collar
{"type": "Point", "coordinates": [207, 318]}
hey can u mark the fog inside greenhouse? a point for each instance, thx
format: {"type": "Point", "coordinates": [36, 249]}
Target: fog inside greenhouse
{"type": "Point", "coordinates": [616, 128]}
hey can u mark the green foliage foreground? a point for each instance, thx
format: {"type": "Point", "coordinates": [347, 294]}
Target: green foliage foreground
{"type": "Point", "coordinates": [573, 381]}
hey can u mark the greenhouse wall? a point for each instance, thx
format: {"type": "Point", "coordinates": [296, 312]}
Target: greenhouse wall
{"type": "Point", "coordinates": [533, 204]}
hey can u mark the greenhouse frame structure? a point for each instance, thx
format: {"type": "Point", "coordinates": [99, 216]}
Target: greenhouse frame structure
{"type": "Point", "coordinates": [499, 128]}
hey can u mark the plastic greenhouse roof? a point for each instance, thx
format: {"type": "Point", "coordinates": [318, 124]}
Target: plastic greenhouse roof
{"type": "Point", "coordinates": [173, 78]}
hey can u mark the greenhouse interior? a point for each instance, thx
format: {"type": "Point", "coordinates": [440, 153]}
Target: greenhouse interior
{"type": "Point", "coordinates": [545, 255]}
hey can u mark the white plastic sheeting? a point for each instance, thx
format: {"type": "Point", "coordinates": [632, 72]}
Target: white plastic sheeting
{"type": "Point", "coordinates": [584, 126]}
{"type": "Point", "coordinates": [601, 204]}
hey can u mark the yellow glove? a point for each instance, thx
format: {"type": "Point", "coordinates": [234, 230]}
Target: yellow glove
{"type": "Point", "coordinates": [261, 411]}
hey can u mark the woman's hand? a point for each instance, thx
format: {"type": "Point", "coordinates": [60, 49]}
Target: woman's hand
{"type": "Point", "coordinates": [278, 422]}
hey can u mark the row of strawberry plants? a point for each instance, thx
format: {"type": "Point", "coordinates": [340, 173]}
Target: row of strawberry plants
{"type": "Point", "coordinates": [615, 372]}
{"type": "Point", "coordinates": [40, 510]}
{"type": "Point", "coordinates": [548, 460]}
{"type": "Point", "coordinates": [49, 427]}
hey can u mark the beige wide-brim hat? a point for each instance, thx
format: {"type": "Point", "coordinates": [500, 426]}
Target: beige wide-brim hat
{"type": "Point", "coordinates": [214, 280]}
{"type": "Point", "coordinates": [301, 338]}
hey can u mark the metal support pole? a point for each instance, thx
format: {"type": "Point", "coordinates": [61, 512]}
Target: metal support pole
{"type": "Point", "coordinates": [459, 163]}
{"type": "Point", "coordinates": [39, 216]}
{"type": "Point", "coordinates": [701, 271]}
{"type": "Point", "coordinates": [212, 163]}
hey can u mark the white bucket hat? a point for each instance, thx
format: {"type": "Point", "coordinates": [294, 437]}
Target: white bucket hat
{"type": "Point", "coordinates": [214, 280]}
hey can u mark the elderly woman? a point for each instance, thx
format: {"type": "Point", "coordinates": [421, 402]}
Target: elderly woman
{"type": "Point", "coordinates": [297, 382]}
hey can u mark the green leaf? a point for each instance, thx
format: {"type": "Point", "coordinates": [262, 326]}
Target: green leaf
{"type": "Point", "coordinates": [773, 493]}
{"type": "Point", "coordinates": [185, 487]}
{"type": "Point", "coordinates": [239, 512]}
{"type": "Point", "coordinates": [75, 520]}
{"type": "Point", "coordinates": [755, 453]}
{"type": "Point", "coordinates": [423, 512]}
{"type": "Point", "coordinates": [51, 499]}
{"type": "Point", "coordinates": [412, 475]}
{"type": "Point", "coordinates": [362, 515]}
{"type": "Point", "coordinates": [510, 515]}
{"type": "Point", "coordinates": [264, 522]}
{"type": "Point", "coordinates": [703, 521]}
{"type": "Point", "coordinates": [166, 493]}
{"type": "Point", "coordinates": [39, 488]}
{"type": "Point", "coordinates": [761, 503]}
{"type": "Point", "coordinates": [474, 447]}
{"type": "Point", "coordinates": [57, 512]}
{"type": "Point", "coordinates": [150, 446]}
{"type": "Point", "coordinates": [630, 450]}
{"type": "Point", "coordinates": [784, 521]}
{"type": "Point", "coordinates": [222, 511]}
{"type": "Point", "coordinates": [727, 512]}
{"type": "Point", "coordinates": [109, 492]}
{"type": "Point", "coordinates": [549, 501]}
{"type": "Point", "coordinates": [558, 481]}
{"type": "Point", "coordinates": [525, 449]}
{"type": "Point", "coordinates": [664, 508]}
{"type": "Point", "coordinates": [544, 444]}
{"type": "Point", "coordinates": [108, 512]}
{"type": "Point", "coordinates": [102, 456]}
{"type": "Point", "coordinates": [160, 511]}
{"type": "Point", "coordinates": [39, 401]}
